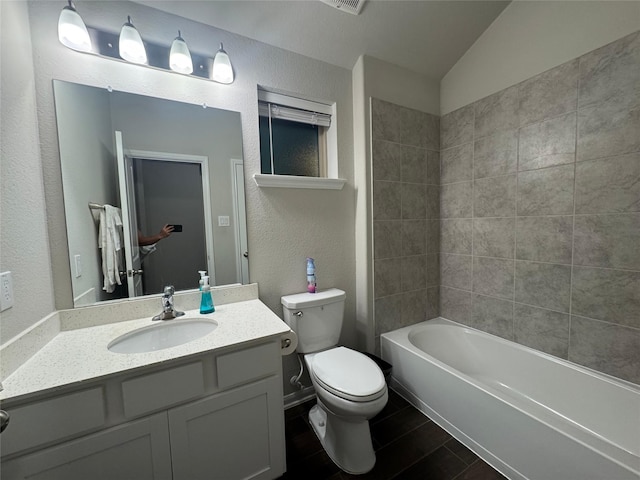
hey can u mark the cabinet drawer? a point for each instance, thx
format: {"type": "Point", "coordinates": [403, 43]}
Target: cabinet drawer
{"type": "Point", "coordinates": [160, 390]}
{"type": "Point", "coordinates": [245, 365]}
{"type": "Point", "coordinates": [53, 419]}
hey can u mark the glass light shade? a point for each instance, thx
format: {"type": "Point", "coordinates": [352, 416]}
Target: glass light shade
{"type": "Point", "coordinates": [72, 32]}
{"type": "Point", "coordinates": [131, 46]}
{"type": "Point", "coordinates": [180, 57]}
{"type": "Point", "coordinates": [222, 69]}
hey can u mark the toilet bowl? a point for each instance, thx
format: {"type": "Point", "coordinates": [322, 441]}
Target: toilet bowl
{"type": "Point", "coordinates": [350, 389]}
{"type": "Point", "coordinates": [349, 386]}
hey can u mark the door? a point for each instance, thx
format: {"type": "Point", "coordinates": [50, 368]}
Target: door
{"type": "Point", "coordinates": [129, 221]}
{"type": "Point", "coordinates": [239, 207]}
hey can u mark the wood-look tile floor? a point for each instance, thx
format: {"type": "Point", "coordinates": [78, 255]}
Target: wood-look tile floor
{"type": "Point", "coordinates": [408, 446]}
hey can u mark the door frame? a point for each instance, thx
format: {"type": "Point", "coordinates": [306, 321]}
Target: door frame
{"type": "Point", "coordinates": [203, 161]}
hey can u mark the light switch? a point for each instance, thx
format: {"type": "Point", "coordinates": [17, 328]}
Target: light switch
{"type": "Point", "coordinates": [223, 221]}
{"type": "Point", "coordinates": [6, 291]}
{"type": "Point", "coordinates": [78, 264]}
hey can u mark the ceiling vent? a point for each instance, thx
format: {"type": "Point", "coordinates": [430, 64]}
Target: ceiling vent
{"type": "Point", "coordinates": [351, 6]}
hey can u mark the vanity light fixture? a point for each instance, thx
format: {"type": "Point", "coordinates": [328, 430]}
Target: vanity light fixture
{"type": "Point", "coordinates": [72, 32]}
{"type": "Point", "coordinates": [130, 45]}
{"type": "Point", "coordinates": [180, 57]}
{"type": "Point", "coordinates": [222, 69]}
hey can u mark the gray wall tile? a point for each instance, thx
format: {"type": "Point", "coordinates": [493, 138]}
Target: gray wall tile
{"type": "Point", "coordinates": [546, 192]}
{"type": "Point", "coordinates": [388, 313]}
{"type": "Point", "coordinates": [433, 302]}
{"type": "Point", "coordinates": [548, 143]}
{"type": "Point", "coordinates": [611, 73]}
{"type": "Point", "coordinates": [414, 201]}
{"type": "Point", "coordinates": [455, 304]}
{"type": "Point", "coordinates": [430, 134]}
{"type": "Point", "coordinates": [496, 154]}
{"type": "Point", "coordinates": [494, 197]}
{"type": "Point", "coordinates": [607, 129]}
{"type": "Point", "coordinates": [543, 284]}
{"type": "Point", "coordinates": [387, 277]}
{"type": "Point", "coordinates": [605, 347]}
{"type": "Point", "coordinates": [456, 235]}
{"type": "Point", "coordinates": [387, 238]}
{"type": "Point", "coordinates": [496, 113]}
{"type": "Point", "coordinates": [387, 158]}
{"type": "Point", "coordinates": [456, 163]}
{"type": "Point", "coordinates": [456, 127]}
{"type": "Point", "coordinates": [608, 185]}
{"type": "Point", "coordinates": [433, 236]}
{"type": "Point", "coordinates": [414, 307]}
{"type": "Point", "coordinates": [493, 276]}
{"type": "Point", "coordinates": [551, 93]}
{"type": "Point", "coordinates": [544, 239]}
{"type": "Point", "coordinates": [413, 164]}
{"type": "Point", "coordinates": [456, 200]}
{"type": "Point", "coordinates": [432, 201]}
{"type": "Point", "coordinates": [542, 329]}
{"type": "Point", "coordinates": [455, 271]}
{"type": "Point", "coordinates": [414, 237]}
{"type": "Point", "coordinates": [492, 315]}
{"type": "Point", "coordinates": [608, 240]}
{"type": "Point", "coordinates": [494, 237]}
{"type": "Point", "coordinates": [387, 198]}
{"type": "Point", "coordinates": [386, 121]}
{"type": "Point", "coordinates": [433, 167]}
{"type": "Point", "coordinates": [414, 273]}
{"type": "Point", "coordinates": [603, 294]}
{"type": "Point", "coordinates": [433, 270]}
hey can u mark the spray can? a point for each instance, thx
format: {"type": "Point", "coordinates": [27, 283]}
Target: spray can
{"type": "Point", "coordinates": [311, 276]}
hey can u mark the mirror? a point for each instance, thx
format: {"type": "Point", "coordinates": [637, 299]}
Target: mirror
{"type": "Point", "coordinates": [174, 163]}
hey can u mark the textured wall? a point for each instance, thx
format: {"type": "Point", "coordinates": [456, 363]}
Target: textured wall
{"type": "Point", "coordinates": [406, 170]}
{"type": "Point", "coordinates": [24, 249]}
{"type": "Point", "coordinates": [540, 208]}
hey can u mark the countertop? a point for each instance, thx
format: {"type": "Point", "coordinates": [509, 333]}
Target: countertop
{"type": "Point", "coordinates": [81, 354]}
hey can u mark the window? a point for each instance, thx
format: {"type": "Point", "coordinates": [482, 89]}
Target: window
{"type": "Point", "coordinates": [293, 135]}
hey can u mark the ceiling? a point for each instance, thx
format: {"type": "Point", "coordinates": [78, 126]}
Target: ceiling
{"type": "Point", "coordinates": [424, 36]}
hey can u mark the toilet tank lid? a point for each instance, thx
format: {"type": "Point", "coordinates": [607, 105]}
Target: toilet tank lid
{"type": "Point", "coordinates": [306, 300]}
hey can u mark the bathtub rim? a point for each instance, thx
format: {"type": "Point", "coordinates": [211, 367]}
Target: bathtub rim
{"type": "Point", "coordinates": [400, 337]}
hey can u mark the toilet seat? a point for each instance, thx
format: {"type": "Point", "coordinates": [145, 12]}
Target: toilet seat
{"type": "Point", "coordinates": [348, 374]}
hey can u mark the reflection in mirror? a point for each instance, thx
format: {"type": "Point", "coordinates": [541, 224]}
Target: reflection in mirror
{"type": "Point", "coordinates": [159, 163]}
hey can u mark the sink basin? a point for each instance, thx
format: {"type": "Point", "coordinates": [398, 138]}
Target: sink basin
{"type": "Point", "coordinates": [169, 333]}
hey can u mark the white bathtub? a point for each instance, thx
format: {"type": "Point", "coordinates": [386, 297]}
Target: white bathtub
{"type": "Point", "coordinates": [528, 414]}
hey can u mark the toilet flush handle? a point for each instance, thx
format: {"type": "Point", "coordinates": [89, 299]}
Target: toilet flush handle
{"type": "Point", "coordinates": [298, 314]}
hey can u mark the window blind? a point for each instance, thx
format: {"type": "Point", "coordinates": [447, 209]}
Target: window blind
{"type": "Point", "coordinates": [293, 114]}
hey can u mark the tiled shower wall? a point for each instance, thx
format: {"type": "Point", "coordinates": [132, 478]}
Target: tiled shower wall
{"type": "Point", "coordinates": [406, 231]}
{"type": "Point", "coordinates": [540, 211]}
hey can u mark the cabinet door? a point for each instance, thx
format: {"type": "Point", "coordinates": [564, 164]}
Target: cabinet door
{"type": "Point", "coordinates": [230, 436]}
{"type": "Point", "coordinates": [137, 450]}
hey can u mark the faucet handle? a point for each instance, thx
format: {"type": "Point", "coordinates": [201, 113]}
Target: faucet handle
{"type": "Point", "coordinates": [169, 290]}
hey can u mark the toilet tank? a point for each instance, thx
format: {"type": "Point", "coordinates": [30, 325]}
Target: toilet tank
{"type": "Point", "coordinates": [315, 317]}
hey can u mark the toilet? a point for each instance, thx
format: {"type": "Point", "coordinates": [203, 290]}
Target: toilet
{"type": "Point", "coordinates": [350, 387]}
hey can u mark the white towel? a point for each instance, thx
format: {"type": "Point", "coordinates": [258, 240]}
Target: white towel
{"type": "Point", "coordinates": [111, 243]}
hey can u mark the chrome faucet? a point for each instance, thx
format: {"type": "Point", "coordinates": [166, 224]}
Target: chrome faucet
{"type": "Point", "coordinates": [168, 312]}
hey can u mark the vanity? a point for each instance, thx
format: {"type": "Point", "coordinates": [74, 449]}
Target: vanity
{"type": "Point", "coordinates": [208, 408]}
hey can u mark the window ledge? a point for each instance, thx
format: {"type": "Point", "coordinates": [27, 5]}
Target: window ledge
{"type": "Point", "coordinates": [292, 181]}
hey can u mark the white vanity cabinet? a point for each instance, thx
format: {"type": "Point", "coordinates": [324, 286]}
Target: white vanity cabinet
{"type": "Point", "coordinates": [214, 416]}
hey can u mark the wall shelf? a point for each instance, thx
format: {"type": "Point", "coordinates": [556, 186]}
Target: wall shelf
{"type": "Point", "coordinates": [292, 181]}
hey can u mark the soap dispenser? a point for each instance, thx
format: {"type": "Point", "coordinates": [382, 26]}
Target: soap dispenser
{"type": "Point", "coordinates": [206, 302]}
{"type": "Point", "coordinates": [201, 281]}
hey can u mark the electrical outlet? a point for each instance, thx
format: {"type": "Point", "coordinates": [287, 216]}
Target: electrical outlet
{"type": "Point", "coordinates": [6, 291]}
{"type": "Point", "coordinates": [78, 263]}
